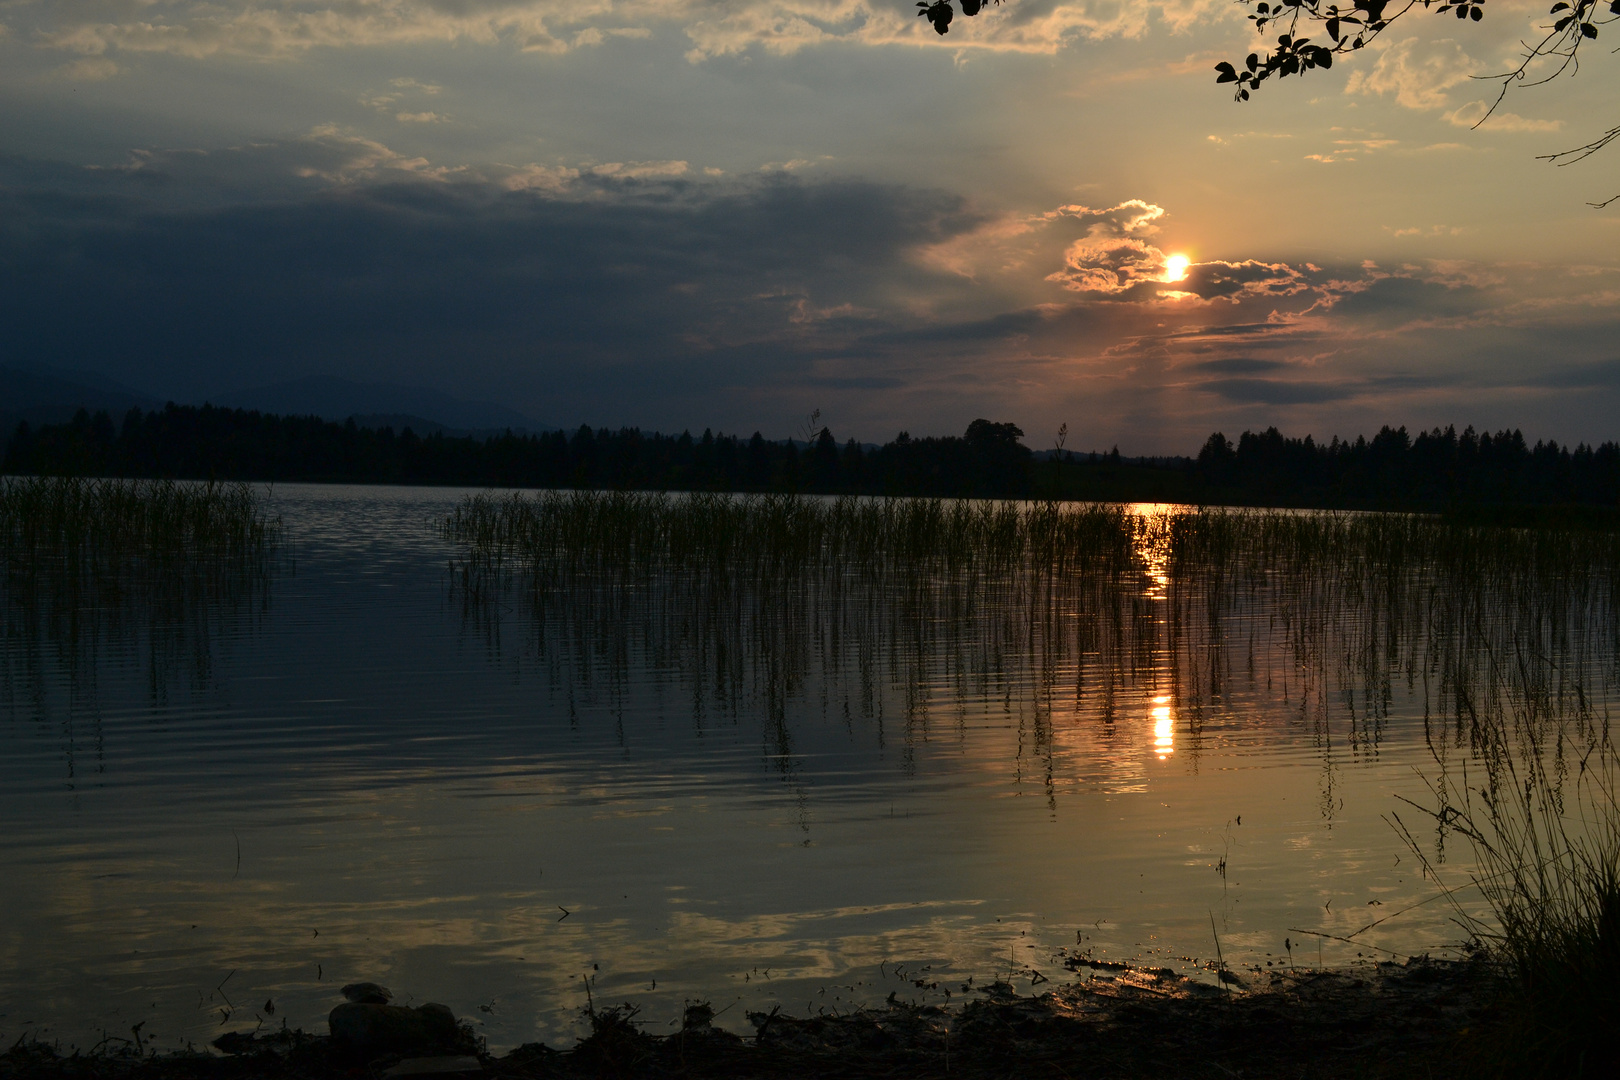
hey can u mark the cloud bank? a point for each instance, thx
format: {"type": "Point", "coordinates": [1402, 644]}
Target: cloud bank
{"type": "Point", "coordinates": [647, 293]}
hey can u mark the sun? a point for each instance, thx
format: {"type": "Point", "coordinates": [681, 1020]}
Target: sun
{"type": "Point", "coordinates": [1175, 267]}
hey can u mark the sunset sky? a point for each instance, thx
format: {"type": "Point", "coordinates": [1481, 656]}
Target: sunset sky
{"type": "Point", "coordinates": [687, 214]}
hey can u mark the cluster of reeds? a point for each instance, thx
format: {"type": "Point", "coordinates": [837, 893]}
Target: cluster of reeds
{"type": "Point", "coordinates": [74, 523]}
{"type": "Point", "coordinates": [1547, 845]}
{"type": "Point", "coordinates": [1514, 635]}
{"type": "Point", "coordinates": [1509, 637]}
{"type": "Point", "coordinates": [556, 536]}
{"type": "Point", "coordinates": [82, 554]}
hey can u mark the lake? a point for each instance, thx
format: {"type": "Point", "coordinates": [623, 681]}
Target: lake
{"type": "Point", "coordinates": [811, 791]}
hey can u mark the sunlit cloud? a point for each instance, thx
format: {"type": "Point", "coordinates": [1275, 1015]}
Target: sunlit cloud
{"type": "Point", "coordinates": [1114, 254]}
{"type": "Point", "coordinates": [1352, 145]}
{"type": "Point", "coordinates": [1418, 73]}
{"type": "Point", "coordinates": [344, 157]}
{"type": "Point", "coordinates": [89, 69]}
{"type": "Point", "coordinates": [1474, 114]}
{"type": "Point", "coordinates": [675, 294]}
{"type": "Point", "coordinates": [1218, 279]}
{"type": "Point", "coordinates": [202, 28]}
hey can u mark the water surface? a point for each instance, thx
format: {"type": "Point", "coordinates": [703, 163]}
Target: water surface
{"type": "Point", "coordinates": [805, 798]}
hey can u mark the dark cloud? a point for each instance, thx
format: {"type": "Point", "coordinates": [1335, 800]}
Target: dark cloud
{"type": "Point", "coordinates": [1600, 376]}
{"type": "Point", "coordinates": [1229, 330]}
{"type": "Point", "coordinates": [974, 331]}
{"type": "Point", "coordinates": [855, 382]}
{"type": "Point", "coordinates": [1406, 297]}
{"type": "Point", "coordinates": [623, 292]}
{"type": "Point", "coordinates": [1276, 391]}
{"type": "Point", "coordinates": [1228, 280]}
{"type": "Point", "coordinates": [1237, 366]}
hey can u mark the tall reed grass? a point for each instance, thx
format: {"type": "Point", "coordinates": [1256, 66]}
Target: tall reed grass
{"type": "Point", "coordinates": [1509, 636]}
{"type": "Point", "coordinates": [81, 557]}
{"type": "Point", "coordinates": [557, 535]}
{"type": "Point", "coordinates": [72, 525]}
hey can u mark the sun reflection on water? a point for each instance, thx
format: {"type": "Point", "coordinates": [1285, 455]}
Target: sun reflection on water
{"type": "Point", "coordinates": [1164, 728]}
{"type": "Point", "coordinates": [1152, 543]}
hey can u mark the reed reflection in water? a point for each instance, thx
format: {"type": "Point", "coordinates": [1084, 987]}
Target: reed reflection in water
{"type": "Point", "coordinates": [1506, 638]}
{"type": "Point", "coordinates": [155, 571]}
{"type": "Point", "coordinates": [759, 749]}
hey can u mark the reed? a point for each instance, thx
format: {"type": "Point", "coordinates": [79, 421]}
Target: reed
{"type": "Point", "coordinates": [74, 523]}
{"type": "Point", "coordinates": [1509, 636]}
{"type": "Point", "coordinates": [555, 536]}
{"type": "Point", "coordinates": [82, 556]}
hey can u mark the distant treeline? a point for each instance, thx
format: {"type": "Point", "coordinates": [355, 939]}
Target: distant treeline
{"type": "Point", "coordinates": [1435, 470]}
{"type": "Point", "coordinates": [213, 443]}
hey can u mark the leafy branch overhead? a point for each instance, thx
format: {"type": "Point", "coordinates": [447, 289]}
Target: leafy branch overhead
{"type": "Point", "coordinates": [1347, 29]}
{"type": "Point", "coordinates": [1554, 54]}
{"type": "Point", "coordinates": [940, 12]}
{"type": "Point", "coordinates": [1352, 28]}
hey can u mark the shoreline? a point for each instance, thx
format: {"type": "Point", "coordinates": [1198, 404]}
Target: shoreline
{"type": "Point", "coordinates": [1381, 1020]}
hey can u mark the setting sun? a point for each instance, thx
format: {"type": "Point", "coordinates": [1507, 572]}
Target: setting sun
{"type": "Point", "coordinates": [1175, 267]}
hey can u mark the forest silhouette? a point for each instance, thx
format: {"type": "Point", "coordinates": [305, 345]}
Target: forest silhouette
{"type": "Point", "coordinates": [1435, 470]}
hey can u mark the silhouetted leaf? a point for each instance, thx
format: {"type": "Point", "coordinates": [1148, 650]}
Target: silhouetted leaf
{"type": "Point", "coordinates": [938, 13]}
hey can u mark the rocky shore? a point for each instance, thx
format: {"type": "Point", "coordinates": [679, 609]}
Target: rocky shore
{"type": "Point", "coordinates": [1420, 1019]}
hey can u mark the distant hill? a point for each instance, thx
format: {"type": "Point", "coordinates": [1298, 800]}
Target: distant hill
{"type": "Point", "coordinates": [52, 397]}
{"type": "Point", "coordinates": [423, 409]}
{"type": "Point", "coordinates": [421, 425]}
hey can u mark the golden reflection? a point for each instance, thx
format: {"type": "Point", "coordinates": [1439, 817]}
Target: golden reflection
{"type": "Point", "coordinates": [1164, 728]}
{"type": "Point", "coordinates": [1152, 544]}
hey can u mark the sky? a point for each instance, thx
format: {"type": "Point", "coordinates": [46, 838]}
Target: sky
{"type": "Point", "coordinates": [681, 214]}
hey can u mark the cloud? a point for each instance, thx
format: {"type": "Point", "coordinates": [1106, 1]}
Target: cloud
{"type": "Point", "coordinates": [1113, 259]}
{"type": "Point", "coordinates": [635, 285]}
{"type": "Point", "coordinates": [1114, 254]}
{"type": "Point", "coordinates": [1275, 391]}
{"type": "Point", "coordinates": [1418, 73]}
{"type": "Point", "coordinates": [1478, 114]}
{"type": "Point", "coordinates": [1350, 148]}
{"type": "Point", "coordinates": [202, 28]}
{"type": "Point", "coordinates": [1236, 366]}
{"type": "Point", "coordinates": [1227, 280]}
{"type": "Point", "coordinates": [652, 293]}
{"type": "Point", "coordinates": [640, 170]}
{"type": "Point", "coordinates": [1410, 297]}
{"type": "Point", "coordinates": [342, 156]}
{"type": "Point", "coordinates": [89, 69]}
{"type": "Point", "coordinates": [1604, 375]}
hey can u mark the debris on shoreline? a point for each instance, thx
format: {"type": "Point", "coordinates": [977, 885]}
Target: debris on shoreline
{"type": "Point", "coordinates": [1384, 1020]}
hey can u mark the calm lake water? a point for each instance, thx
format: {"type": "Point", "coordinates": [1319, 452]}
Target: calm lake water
{"type": "Point", "coordinates": [362, 774]}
